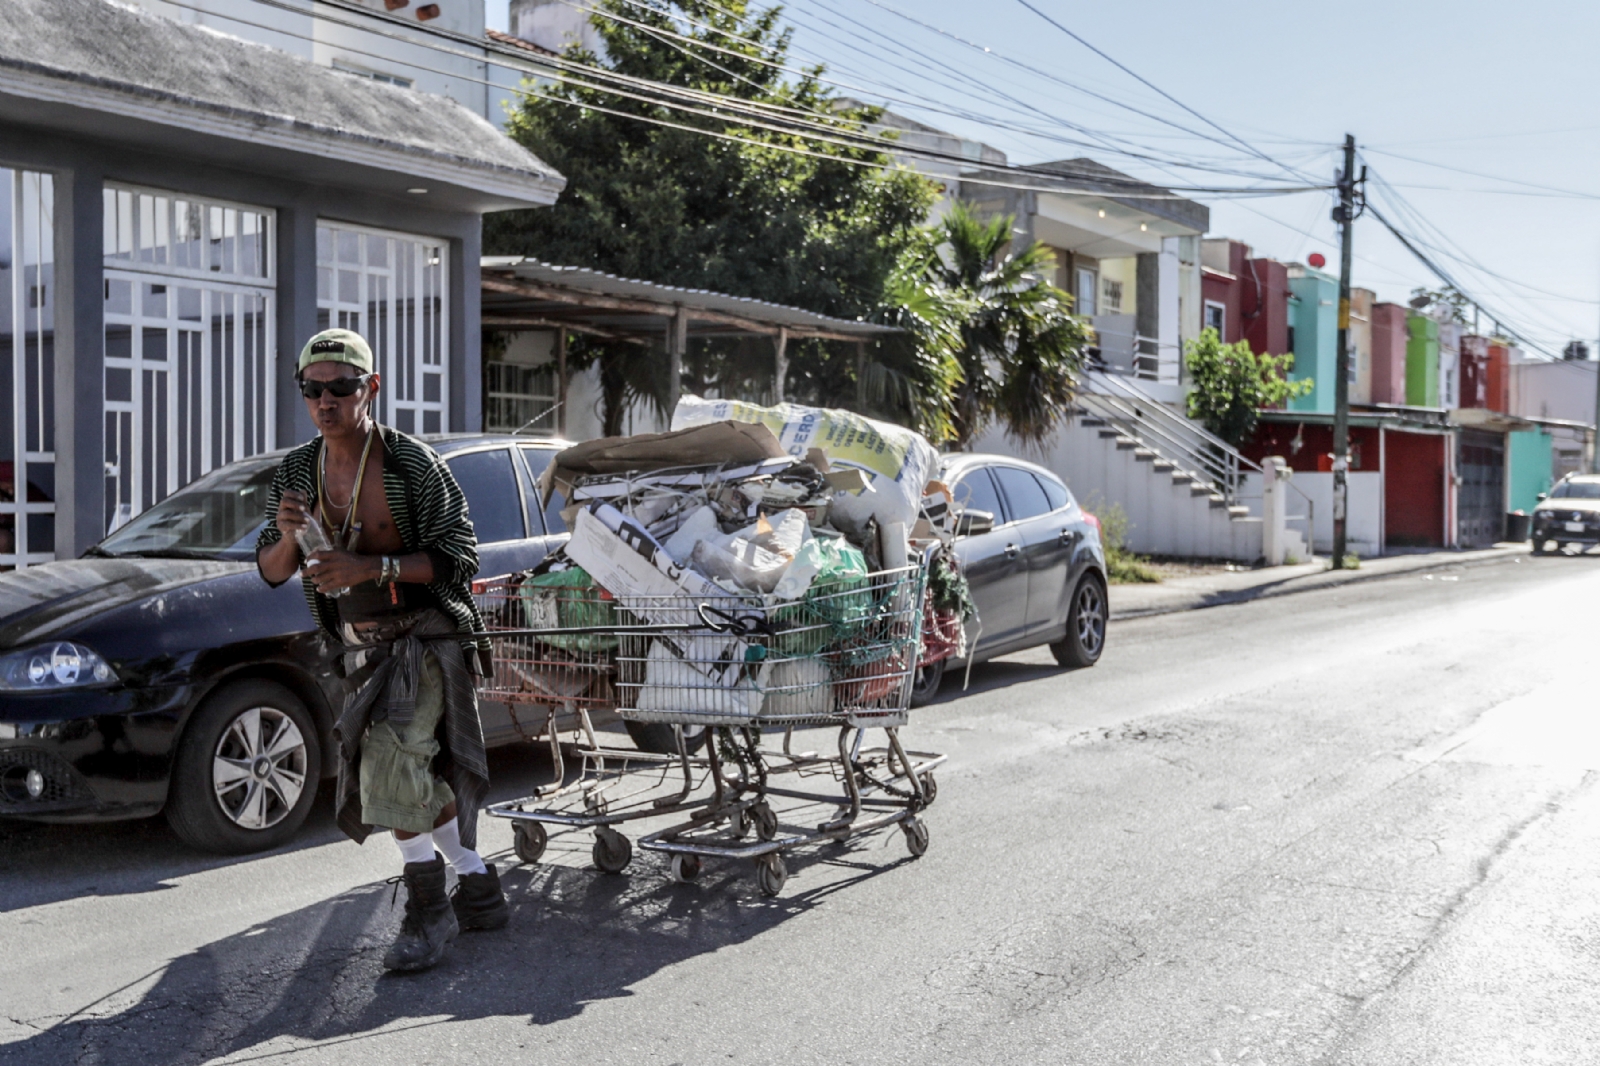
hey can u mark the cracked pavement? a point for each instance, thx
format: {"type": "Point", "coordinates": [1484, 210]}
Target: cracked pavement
{"type": "Point", "coordinates": [1354, 826]}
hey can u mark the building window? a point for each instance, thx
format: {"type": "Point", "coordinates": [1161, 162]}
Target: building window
{"type": "Point", "coordinates": [1216, 318]}
{"type": "Point", "coordinates": [1110, 297]}
{"type": "Point", "coordinates": [27, 369]}
{"type": "Point", "coordinates": [1088, 282]}
{"type": "Point", "coordinates": [390, 288]}
{"type": "Point", "coordinates": [519, 399]}
{"type": "Point", "coordinates": [375, 75]}
{"type": "Point", "coordinates": [190, 331]}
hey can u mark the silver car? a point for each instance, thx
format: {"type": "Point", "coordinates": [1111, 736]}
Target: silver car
{"type": "Point", "coordinates": [1033, 559]}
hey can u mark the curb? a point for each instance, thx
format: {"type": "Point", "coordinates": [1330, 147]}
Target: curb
{"type": "Point", "coordinates": [1311, 583]}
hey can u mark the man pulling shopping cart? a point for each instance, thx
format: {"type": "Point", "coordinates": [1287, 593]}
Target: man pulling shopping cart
{"type": "Point", "coordinates": [378, 529]}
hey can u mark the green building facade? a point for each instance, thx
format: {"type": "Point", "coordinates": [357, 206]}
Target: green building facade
{"type": "Point", "coordinates": [1314, 336]}
{"type": "Point", "coordinates": [1422, 361]}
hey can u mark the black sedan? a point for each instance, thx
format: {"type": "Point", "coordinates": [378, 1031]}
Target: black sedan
{"type": "Point", "coordinates": [1033, 560]}
{"type": "Point", "coordinates": [159, 672]}
{"type": "Point", "coordinates": [1570, 514]}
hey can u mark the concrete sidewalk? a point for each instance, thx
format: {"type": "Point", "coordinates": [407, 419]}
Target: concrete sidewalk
{"type": "Point", "coordinates": [1242, 586]}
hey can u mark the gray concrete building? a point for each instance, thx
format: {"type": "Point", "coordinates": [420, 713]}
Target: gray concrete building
{"type": "Point", "coordinates": [179, 210]}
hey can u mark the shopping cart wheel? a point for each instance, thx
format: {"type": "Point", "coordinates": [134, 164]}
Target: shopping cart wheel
{"type": "Point", "coordinates": [685, 868]}
{"type": "Point", "coordinates": [930, 788]}
{"type": "Point", "coordinates": [528, 840]}
{"type": "Point", "coordinates": [916, 836]}
{"type": "Point", "coordinates": [739, 824]}
{"type": "Point", "coordinates": [771, 873]}
{"type": "Point", "coordinates": [612, 852]}
{"type": "Point", "coordinates": [766, 821]}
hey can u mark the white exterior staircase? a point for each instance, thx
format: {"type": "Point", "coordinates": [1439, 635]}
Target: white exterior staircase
{"type": "Point", "coordinates": [1186, 493]}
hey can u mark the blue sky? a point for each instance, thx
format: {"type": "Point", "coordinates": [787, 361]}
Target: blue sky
{"type": "Point", "coordinates": [1468, 84]}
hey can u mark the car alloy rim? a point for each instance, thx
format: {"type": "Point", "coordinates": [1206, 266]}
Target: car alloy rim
{"type": "Point", "coordinates": [259, 768]}
{"type": "Point", "coordinates": [1091, 618]}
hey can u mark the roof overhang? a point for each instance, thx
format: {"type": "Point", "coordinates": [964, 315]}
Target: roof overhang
{"type": "Point", "coordinates": [525, 294]}
{"type": "Point", "coordinates": [112, 74]}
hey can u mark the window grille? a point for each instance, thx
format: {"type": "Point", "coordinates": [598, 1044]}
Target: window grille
{"type": "Point", "coordinates": [27, 369]}
{"type": "Point", "coordinates": [519, 399]}
{"type": "Point", "coordinates": [390, 288]}
{"type": "Point", "coordinates": [189, 342]}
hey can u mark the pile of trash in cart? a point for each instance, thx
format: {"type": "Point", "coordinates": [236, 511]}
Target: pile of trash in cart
{"type": "Point", "coordinates": [752, 572]}
{"type": "Point", "coordinates": [763, 547]}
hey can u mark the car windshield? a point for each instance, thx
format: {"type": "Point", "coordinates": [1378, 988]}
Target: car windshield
{"type": "Point", "coordinates": [1577, 490]}
{"type": "Point", "coordinates": [215, 518]}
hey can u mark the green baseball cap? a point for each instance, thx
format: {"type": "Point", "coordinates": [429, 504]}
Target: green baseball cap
{"type": "Point", "coordinates": [337, 346]}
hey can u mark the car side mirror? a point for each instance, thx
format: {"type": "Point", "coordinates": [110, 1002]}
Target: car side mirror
{"type": "Point", "coordinates": [1544, 496]}
{"type": "Point", "coordinates": [972, 523]}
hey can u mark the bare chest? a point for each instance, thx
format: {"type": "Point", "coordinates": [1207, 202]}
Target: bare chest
{"type": "Point", "coordinates": [376, 533]}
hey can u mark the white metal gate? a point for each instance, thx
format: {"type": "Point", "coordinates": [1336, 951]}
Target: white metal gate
{"type": "Point", "coordinates": [189, 342]}
{"type": "Point", "coordinates": [391, 288]}
{"type": "Point", "coordinates": [27, 368]}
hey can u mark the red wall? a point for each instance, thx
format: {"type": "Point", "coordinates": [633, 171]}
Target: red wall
{"type": "Point", "coordinates": [1475, 371]}
{"type": "Point", "coordinates": [1388, 353]}
{"type": "Point", "coordinates": [1413, 489]}
{"type": "Point", "coordinates": [1316, 446]}
{"type": "Point", "coordinates": [1499, 378]}
{"type": "Point", "coordinates": [1264, 305]}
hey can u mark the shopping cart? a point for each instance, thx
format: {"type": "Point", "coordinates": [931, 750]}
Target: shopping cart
{"type": "Point", "coordinates": [554, 655]}
{"type": "Point", "coordinates": [734, 667]}
{"type": "Point", "coordinates": [841, 656]}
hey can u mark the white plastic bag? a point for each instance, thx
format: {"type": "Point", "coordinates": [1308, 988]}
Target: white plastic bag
{"type": "Point", "coordinates": [689, 676]}
{"type": "Point", "coordinates": [899, 461]}
{"type": "Point", "coordinates": [796, 688]}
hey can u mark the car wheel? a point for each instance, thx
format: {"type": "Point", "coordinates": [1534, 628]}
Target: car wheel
{"type": "Point", "coordinates": [1086, 626]}
{"type": "Point", "coordinates": [925, 683]}
{"type": "Point", "coordinates": [246, 771]}
{"type": "Point", "coordinates": [656, 737]}
{"type": "Point", "coordinates": [1538, 547]}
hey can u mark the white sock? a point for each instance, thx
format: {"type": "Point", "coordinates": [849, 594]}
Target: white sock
{"type": "Point", "coordinates": [448, 839]}
{"type": "Point", "coordinates": [416, 849]}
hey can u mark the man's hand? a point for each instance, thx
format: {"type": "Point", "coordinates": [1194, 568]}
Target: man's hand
{"type": "Point", "coordinates": [294, 513]}
{"type": "Point", "coordinates": [334, 569]}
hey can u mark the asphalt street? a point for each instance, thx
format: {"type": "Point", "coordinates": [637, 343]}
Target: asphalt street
{"type": "Point", "coordinates": [1358, 825]}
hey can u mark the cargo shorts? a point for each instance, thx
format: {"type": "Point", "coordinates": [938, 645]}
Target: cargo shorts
{"type": "Point", "coordinates": [398, 787]}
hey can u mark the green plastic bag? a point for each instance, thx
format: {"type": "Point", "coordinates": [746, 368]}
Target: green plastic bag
{"type": "Point", "coordinates": [569, 599]}
{"type": "Point", "coordinates": [834, 608]}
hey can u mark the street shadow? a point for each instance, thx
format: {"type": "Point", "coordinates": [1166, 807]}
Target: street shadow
{"type": "Point", "coordinates": [43, 863]}
{"type": "Point", "coordinates": [576, 936]}
{"type": "Point", "coordinates": [989, 676]}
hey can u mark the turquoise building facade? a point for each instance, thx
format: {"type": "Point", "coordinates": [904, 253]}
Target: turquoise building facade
{"type": "Point", "coordinates": [1528, 466]}
{"type": "Point", "coordinates": [1314, 329]}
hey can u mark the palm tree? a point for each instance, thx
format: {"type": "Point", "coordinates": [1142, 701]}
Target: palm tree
{"type": "Point", "coordinates": [1021, 348]}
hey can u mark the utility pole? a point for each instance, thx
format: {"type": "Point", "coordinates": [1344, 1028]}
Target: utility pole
{"type": "Point", "coordinates": [1345, 215]}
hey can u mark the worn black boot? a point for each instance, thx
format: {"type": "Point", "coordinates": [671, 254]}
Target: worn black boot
{"type": "Point", "coordinates": [478, 901]}
{"type": "Point", "coordinates": [430, 922]}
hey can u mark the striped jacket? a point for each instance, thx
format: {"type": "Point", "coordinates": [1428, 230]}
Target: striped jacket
{"type": "Point", "coordinates": [430, 513]}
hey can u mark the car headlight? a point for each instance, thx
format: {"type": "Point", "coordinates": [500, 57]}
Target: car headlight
{"type": "Point", "coordinates": [61, 664]}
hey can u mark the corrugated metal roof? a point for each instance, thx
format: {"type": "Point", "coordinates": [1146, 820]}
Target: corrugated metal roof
{"type": "Point", "coordinates": [581, 281]}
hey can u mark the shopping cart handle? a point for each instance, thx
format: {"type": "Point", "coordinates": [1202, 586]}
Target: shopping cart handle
{"type": "Point", "coordinates": [738, 625]}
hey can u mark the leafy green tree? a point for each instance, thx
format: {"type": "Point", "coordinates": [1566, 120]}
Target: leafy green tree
{"type": "Point", "coordinates": [1021, 349]}
{"type": "Point", "coordinates": [721, 204]}
{"type": "Point", "coordinates": [1231, 384]}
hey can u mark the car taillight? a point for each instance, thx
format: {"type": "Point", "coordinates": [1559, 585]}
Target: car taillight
{"type": "Point", "coordinates": [1093, 521]}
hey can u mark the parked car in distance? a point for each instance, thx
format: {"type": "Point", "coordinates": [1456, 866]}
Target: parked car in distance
{"type": "Point", "coordinates": [160, 673]}
{"type": "Point", "coordinates": [1569, 514]}
{"type": "Point", "coordinates": [1033, 560]}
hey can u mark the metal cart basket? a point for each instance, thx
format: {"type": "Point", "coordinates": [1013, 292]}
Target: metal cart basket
{"type": "Point", "coordinates": [737, 669]}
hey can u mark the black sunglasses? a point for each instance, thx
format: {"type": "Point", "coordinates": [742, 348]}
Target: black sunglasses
{"type": "Point", "coordinates": [340, 387]}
